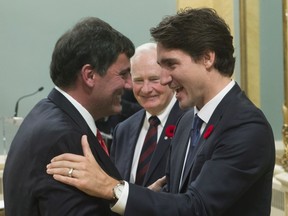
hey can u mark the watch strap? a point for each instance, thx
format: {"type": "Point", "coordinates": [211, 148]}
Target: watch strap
{"type": "Point", "coordinates": [115, 198]}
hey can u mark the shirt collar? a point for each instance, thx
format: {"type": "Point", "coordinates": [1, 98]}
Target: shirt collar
{"type": "Point", "coordinates": [207, 110]}
{"type": "Point", "coordinates": [163, 116]}
{"type": "Point", "coordinates": [84, 113]}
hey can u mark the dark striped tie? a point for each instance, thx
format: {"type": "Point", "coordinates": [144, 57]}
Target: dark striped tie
{"type": "Point", "coordinates": [147, 150]}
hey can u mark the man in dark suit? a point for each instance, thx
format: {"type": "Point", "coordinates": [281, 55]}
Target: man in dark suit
{"type": "Point", "coordinates": [91, 68]}
{"type": "Point", "coordinates": [231, 168]}
{"type": "Point", "coordinates": [157, 100]}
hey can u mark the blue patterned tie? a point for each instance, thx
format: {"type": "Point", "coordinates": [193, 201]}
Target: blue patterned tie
{"type": "Point", "coordinates": [147, 150]}
{"type": "Point", "coordinates": [195, 135]}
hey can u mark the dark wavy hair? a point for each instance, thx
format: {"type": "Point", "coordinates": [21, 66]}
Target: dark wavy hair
{"type": "Point", "coordinates": [195, 32]}
{"type": "Point", "coordinates": [91, 41]}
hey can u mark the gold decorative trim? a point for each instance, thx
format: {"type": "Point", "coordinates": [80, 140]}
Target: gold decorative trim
{"type": "Point", "coordinates": [285, 35]}
{"type": "Point", "coordinates": [285, 105]}
{"type": "Point", "coordinates": [243, 46]}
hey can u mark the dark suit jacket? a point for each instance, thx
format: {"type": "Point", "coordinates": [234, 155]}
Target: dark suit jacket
{"type": "Point", "coordinates": [53, 127]}
{"type": "Point", "coordinates": [232, 171]}
{"type": "Point", "coordinates": [124, 141]}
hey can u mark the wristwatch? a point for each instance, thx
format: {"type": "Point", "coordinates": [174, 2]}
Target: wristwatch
{"type": "Point", "coordinates": [117, 190]}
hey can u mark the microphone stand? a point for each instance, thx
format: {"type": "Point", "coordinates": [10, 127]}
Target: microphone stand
{"type": "Point", "coordinates": [4, 136]}
{"type": "Point", "coordinates": [28, 95]}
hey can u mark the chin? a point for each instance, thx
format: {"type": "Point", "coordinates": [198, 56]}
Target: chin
{"type": "Point", "coordinates": [183, 105]}
{"type": "Point", "coordinates": [117, 109]}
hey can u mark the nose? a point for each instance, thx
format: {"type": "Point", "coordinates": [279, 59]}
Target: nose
{"type": "Point", "coordinates": [128, 83]}
{"type": "Point", "coordinates": [165, 77]}
{"type": "Point", "coordinates": [146, 87]}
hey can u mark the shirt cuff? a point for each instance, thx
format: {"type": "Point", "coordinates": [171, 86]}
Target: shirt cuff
{"type": "Point", "coordinates": [120, 205]}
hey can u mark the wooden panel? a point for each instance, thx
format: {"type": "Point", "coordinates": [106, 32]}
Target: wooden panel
{"type": "Point", "coordinates": [223, 7]}
{"type": "Point", "coordinates": [253, 53]}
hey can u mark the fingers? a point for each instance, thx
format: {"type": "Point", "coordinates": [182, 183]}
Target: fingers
{"type": "Point", "coordinates": [58, 171]}
{"type": "Point", "coordinates": [82, 172]}
{"type": "Point", "coordinates": [157, 185]}
{"type": "Point", "coordinates": [61, 163]}
{"type": "Point", "coordinates": [63, 168]}
{"type": "Point", "coordinates": [66, 179]}
{"type": "Point", "coordinates": [67, 157]}
{"type": "Point", "coordinates": [162, 181]}
{"type": "Point", "coordinates": [64, 171]}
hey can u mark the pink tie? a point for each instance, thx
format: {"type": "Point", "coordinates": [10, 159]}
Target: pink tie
{"type": "Point", "coordinates": [102, 142]}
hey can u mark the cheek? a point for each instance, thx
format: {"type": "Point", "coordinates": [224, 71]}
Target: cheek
{"type": "Point", "coordinates": [165, 91]}
{"type": "Point", "coordinates": [115, 87]}
{"type": "Point", "coordinates": [136, 89]}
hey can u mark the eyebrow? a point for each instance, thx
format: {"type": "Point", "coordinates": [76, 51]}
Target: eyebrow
{"type": "Point", "coordinates": [167, 60]}
{"type": "Point", "coordinates": [127, 70]}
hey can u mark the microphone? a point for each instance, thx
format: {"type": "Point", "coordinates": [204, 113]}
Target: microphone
{"type": "Point", "coordinates": [28, 95]}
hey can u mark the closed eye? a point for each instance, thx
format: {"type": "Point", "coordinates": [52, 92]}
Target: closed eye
{"type": "Point", "coordinates": [125, 74]}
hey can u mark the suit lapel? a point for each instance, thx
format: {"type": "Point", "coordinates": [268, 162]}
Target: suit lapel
{"type": "Point", "coordinates": [99, 154]}
{"type": "Point", "coordinates": [179, 145]}
{"type": "Point", "coordinates": [134, 131]}
{"type": "Point", "coordinates": [215, 120]}
{"type": "Point", "coordinates": [163, 143]}
{"type": "Point", "coordinates": [200, 146]}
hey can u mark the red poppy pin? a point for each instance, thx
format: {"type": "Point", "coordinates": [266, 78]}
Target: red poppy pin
{"type": "Point", "coordinates": [169, 131]}
{"type": "Point", "coordinates": [208, 131]}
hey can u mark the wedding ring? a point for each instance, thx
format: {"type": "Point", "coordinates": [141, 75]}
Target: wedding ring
{"type": "Point", "coordinates": [70, 172]}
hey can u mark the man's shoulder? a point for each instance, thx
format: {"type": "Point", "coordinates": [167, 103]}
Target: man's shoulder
{"type": "Point", "coordinates": [133, 120]}
{"type": "Point", "coordinates": [187, 114]}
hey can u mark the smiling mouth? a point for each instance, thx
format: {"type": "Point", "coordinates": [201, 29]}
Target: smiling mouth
{"type": "Point", "coordinates": [150, 97]}
{"type": "Point", "coordinates": [177, 89]}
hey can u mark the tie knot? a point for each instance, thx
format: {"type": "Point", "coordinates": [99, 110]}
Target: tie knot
{"type": "Point", "coordinates": [197, 122]}
{"type": "Point", "coordinates": [154, 121]}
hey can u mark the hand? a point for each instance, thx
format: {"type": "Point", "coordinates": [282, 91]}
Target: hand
{"type": "Point", "coordinates": [86, 174]}
{"type": "Point", "coordinates": [157, 185]}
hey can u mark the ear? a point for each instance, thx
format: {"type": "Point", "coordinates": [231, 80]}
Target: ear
{"type": "Point", "coordinates": [88, 75]}
{"type": "Point", "coordinates": [209, 59]}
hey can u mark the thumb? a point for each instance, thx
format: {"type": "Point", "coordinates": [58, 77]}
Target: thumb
{"type": "Point", "coordinates": [88, 153]}
{"type": "Point", "coordinates": [85, 147]}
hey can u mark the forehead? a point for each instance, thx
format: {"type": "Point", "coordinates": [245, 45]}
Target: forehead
{"type": "Point", "coordinates": [145, 66]}
{"type": "Point", "coordinates": [147, 73]}
{"type": "Point", "coordinates": [164, 54]}
{"type": "Point", "coordinates": [122, 63]}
